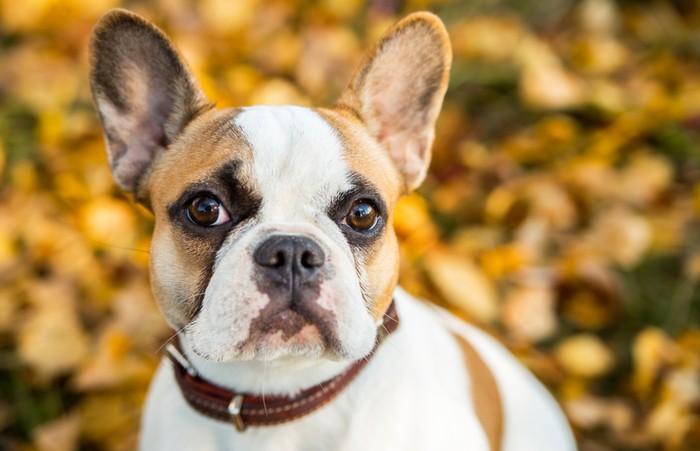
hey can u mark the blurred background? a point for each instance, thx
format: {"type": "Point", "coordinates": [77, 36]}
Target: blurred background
{"type": "Point", "coordinates": [560, 214]}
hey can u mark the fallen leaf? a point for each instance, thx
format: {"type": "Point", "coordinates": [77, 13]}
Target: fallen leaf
{"type": "Point", "coordinates": [528, 313]}
{"type": "Point", "coordinates": [463, 284]}
{"type": "Point", "coordinates": [650, 349]}
{"type": "Point", "coordinates": [584, 355]}
{"type": "Point", "coordinates": [109, 222]}
{"type": "Point", "coordinates": [623, 235]}
{"type": "Point", "coordinates": [58, 435]}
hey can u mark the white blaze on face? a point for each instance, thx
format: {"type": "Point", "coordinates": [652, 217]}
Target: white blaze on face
{"type": "Point", "coordinates": [298, 163]}
{"type": "Point", "coordinates": [298, 169]}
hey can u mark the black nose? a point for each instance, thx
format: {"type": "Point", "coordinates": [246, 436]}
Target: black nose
{"type": "Point", "coordinates": [290, 257]}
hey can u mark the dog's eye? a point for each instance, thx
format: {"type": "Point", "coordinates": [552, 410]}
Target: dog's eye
{"type": "Point", "coordinates": [206, 211]}
{"type": "Point", "coordinates": [362, 216]}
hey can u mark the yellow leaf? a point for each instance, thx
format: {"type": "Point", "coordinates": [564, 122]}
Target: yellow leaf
{"type": "Point", "coordinates": [528, 313]}
{"type": "Point", "coordinates": [551, 202]}
{"type": "Point", "coordinates": [599, 54]}
{"type": "Point", "coordinates": [9, 302]}
{"type": "Point", "coordinates": [280, 53]}
{"type": "Point", "coordinates": [413, 226]}
{"type": "Point", "coordinates": [241, 81]}
{"type": "Point", "coordinates": [503, 260]}
{"type": "Point", "coordinates": [108, 221]}
{"type": "Point", "coordinates": [630, 233]}
{"type": "Point", "coordinates": [52, 341]}
{"type": "Point", "coordinates": [584, 355]}
{"type": "Point", "coordinates": [499, 203]}
{"type": "Point", "coordinates": [591, 177]}
{"type": "Point", "coordinates": [650, 349]}
{"type": "Point", "coordinates": [590, 309]}
{"type": "Point", "coordinates": [683, 385]}
{"type": "Point", "coordinates": [23, 15]}
{"type": "Point", "coordinates": [343, 9]}
{"type": "Point", "coordinates": [463, 284]}
{"type": "Point", "coordinates": [58, 435]}
{"type": "Point", "coordinates": [551, 87]}
{"type": "Point", "coordinates": [112, 419]}
{"type": "Point", "coordinates": [137, 314]}
{"type": "Point", "coordinates": [113, 364]}
{"type": "Point", "coordinates": [588, 412]}
{"type": "Point", "coordinates": [278, 92]}
{"type": "Point", "coordinates": [227, 17]}
{"type": "Point", "coordinates": [669, 422]}
{"type": "Point", "coordinates": [490, 38]}
{"type": "Point", "coordinates": [8, 249]}
{"type": "Point", "coordinates": [599, 16]}
{"type": "Point", "coordinates": [327, 57]}
{"type": "Point", "coordinates": [645, 178]}
{"type": "Point", "coordinates": [23, 176]}
{"type": "Point", "coordinates": [696, 198]}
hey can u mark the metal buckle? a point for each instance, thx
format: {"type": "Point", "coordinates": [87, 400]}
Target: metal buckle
{"type": "Point", "coordinates": [234, 409]}
{"type": "Point", "coordinates": [176, 355]}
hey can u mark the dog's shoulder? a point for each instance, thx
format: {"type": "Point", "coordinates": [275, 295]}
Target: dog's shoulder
{"type": "Point", "coordinates": [516, 411]}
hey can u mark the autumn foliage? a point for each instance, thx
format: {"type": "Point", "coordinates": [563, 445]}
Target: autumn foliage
{"type": "Point", "coordinates": [561, 212]}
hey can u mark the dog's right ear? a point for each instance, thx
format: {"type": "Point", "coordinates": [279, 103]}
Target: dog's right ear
{"type": "Point", "coordinates": [143, 91]}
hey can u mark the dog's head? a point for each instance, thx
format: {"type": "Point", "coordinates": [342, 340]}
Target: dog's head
{"type": "Point", "coordinates": [273, 224]}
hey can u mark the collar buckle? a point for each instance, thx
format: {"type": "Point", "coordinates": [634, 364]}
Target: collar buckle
{"type": "Point", "coordinates": [234, 410]}
{"type": "Point", "coordinates": [179, 358]}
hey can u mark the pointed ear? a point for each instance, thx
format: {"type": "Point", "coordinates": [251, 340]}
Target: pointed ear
{"type": "Point", "coordinates": [143, 92]}
{"type": "Point", "coordinates": [398, 90]}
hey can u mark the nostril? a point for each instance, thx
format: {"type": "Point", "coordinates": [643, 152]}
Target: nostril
{"type": "Point", "coordinates": [310, 260]}
{"type": "Point", "coordinates": [278, 260]}
{"type": "Point", "coordinates": [274, 253]}
{"type": "Point", "coordinates": [307, 260]}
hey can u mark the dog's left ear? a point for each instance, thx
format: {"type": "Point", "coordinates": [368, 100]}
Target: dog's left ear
{"type": "Point", "coordinates": [398, 91]}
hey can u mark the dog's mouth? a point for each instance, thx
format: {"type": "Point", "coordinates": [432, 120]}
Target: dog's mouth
{"type": "Point", "coordinates": [292, 329]}
{"type": "Point", "coordinates": [288, 322]}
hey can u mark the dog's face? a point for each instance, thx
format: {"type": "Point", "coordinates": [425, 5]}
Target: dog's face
{"type": "Point", "coordinates": [273, 225]}
{"type": "Point", "coordinates": [272, 243]}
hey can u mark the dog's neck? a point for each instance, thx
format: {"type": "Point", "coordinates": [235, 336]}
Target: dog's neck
{"type": "Point", "coordinates": [282, 377]}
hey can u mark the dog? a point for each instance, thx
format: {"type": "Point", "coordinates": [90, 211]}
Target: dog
{"type": "Point", "coordinates": [274, 257]}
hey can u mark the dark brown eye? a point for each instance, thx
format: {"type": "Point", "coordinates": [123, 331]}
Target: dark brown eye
{"type": "Point", "coordinates": [362, 216]}
{"type": "Point", "coordinates": [206, 211]}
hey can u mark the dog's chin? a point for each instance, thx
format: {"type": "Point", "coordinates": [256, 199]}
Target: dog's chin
{"type": "Point", "coordinates": [307, 343]}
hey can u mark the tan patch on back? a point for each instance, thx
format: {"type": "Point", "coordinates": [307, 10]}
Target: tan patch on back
{"type": "Point", "coordinates": [487, 398]}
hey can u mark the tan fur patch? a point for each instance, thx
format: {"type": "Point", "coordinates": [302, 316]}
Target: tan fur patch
{"type": "Point", "coordinates": [179, 265]}
{"type": "Point", "coordinates": [364, 156]}
{"type": "Point", "coordinates": [487, 398]}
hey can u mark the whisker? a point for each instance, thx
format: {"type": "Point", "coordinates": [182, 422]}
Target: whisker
{"type": "Point", "coordinates": [262, 388]}
{"type": "Point", "coordinates": [158, 351]}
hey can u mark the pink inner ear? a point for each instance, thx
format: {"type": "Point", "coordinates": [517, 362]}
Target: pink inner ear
{"type": "Point", "coordinates": [411, 154]}
{"type": "Point", "coordinates": [401, 123]}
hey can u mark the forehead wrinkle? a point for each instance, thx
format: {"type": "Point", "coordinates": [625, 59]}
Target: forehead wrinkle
{"type": "Point", "coordinates": [297, 158]}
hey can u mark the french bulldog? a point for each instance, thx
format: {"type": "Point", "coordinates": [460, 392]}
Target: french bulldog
{"type": "Point", "coordinates": [275, 260]}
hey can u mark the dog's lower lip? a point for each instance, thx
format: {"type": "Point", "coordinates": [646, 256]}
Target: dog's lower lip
{"type": "Point", "coordinates": [288, 321]}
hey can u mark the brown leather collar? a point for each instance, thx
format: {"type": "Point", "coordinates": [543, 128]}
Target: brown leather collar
{"type": "Point", "coordinates": [244, 409]}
